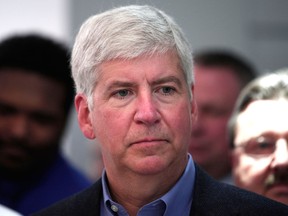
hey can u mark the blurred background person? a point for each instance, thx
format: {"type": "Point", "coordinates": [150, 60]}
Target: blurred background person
{"type": "Point", "coordinates": [36, 93]}
{"type": "Point", "coordinates": [259, 136]}
{"type": "Point", "coordinates": [220, 75]}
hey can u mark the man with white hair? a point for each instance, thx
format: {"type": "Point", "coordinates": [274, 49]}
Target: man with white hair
{"type": "Point", "coordinates": [132, 68]}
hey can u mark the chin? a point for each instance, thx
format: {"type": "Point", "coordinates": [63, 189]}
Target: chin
{"type": "Point", "coordinates": [150, 166]}
{"type": "Point", "coordinates": [279, 193]}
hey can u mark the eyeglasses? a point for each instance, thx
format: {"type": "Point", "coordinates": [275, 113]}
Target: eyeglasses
{"type": "Point", "coordinates": [262, 146]}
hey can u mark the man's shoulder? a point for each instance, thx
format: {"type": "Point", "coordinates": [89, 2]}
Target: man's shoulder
{"type": "Point", "coordinates": [211, 197]}
{"type": "Point", "coordinates": [86, 202]}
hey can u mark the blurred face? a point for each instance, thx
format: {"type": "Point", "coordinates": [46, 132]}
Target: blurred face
{"type": "Point", "coordinates": [216, 90]}
{"type": "Point", "coordinates": [141, 115]}
{"type": "Point", "coordinates": [260, 158]}
{"type": "Point", "coordinates": [31, 120]}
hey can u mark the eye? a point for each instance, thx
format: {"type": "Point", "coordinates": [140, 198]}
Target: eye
{"type": "Point", "coordinates": [167, 90]}
{"type": "Point", "coordinates": [213, 111]}
{"type": "Point", "coordinates": [121, 94]}
{"type": "Point", "coordinates": [43, 119]}
{"type": "Point", "coordinates": [6, 110]}
{"type": "Point", "coordinates": [261, 146]}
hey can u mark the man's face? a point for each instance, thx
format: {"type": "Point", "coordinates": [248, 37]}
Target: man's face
{"type": "Point", "coordinates": [142, 115]}
{"type": "Point", "coordinates": [216, 90]}
{"type": "Point", "coordinates": [260, 157]}
{"type": "Point", "coordinates": [31, 119]}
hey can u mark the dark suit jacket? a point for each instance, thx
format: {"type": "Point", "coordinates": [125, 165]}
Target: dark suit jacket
{"type": "Point", "coordinates": [210, 198]}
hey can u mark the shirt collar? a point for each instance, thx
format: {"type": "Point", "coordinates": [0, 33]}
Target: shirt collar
{"type": "Point", "coordinates": [177, 201]}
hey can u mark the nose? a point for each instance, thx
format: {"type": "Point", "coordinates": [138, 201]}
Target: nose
{"type": "Point", "coordinates": [280, 157]}
{"type": "Point", "coordinates": [146, 110]}
{"type": "Point", "coordinates": [18, 127]}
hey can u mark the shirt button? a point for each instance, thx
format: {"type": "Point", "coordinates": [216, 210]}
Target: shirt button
{"type": "Point", "coordinates": [114, 208]}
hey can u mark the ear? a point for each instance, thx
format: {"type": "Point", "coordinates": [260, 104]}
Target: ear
{"type": "Point", "coordinates": [84, 117]}
{"type": "Point", "coordinates": [194, 109]}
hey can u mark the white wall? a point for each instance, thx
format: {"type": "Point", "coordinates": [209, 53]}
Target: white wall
{"type": "Point", "coordinates": [50, 17]}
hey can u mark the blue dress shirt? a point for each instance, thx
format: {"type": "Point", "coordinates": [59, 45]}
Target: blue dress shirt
{"type": "Point", "coordinates": [176, 201]}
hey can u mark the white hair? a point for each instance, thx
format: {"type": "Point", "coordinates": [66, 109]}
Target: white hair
{"type": "Point", "coordinates": [125, 33]}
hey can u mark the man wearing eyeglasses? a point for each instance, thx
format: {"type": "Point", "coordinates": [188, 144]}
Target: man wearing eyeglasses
{"type": "Point", "coordinates": [258, 132]}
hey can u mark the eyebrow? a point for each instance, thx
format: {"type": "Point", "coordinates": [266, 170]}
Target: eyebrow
{"type": "Point", "coordinates": [167, 80]}
{"type": "Point", "coordinates": [36, 112]}
{"type": "Point", "coordinates": [117, 83]}
{"type": "Point", "coordinates": [129, 84]}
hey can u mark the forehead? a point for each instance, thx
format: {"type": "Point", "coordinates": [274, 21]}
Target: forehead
{"type": "Point", "coordinates": [141, 68]}
{"type": "Point", "coordinates": [24, 89]}
{"type": "Point", "coordinates": [212, 84]}
{"type": "Point", "coordinates": [262, 116]}
{"type": "Point", "coordinates": [207, 76]}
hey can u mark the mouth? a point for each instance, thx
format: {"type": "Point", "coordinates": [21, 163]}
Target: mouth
{"type": "Point", "coordinates": [13, 151]}
{"type": "Point", "coordinates": [149, 146]}
{"type": "Point", "coordinates": [149, 141]}
{"type": "Point", "coordinates": [278, 184]}
{"type": "Point", "coordinates": [13, 157]}
{"type": "Point", "coordinates": [279, 189]}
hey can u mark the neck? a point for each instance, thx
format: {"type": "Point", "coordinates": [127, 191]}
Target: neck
{"type": "Point", "coordinates": [140, 190]}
